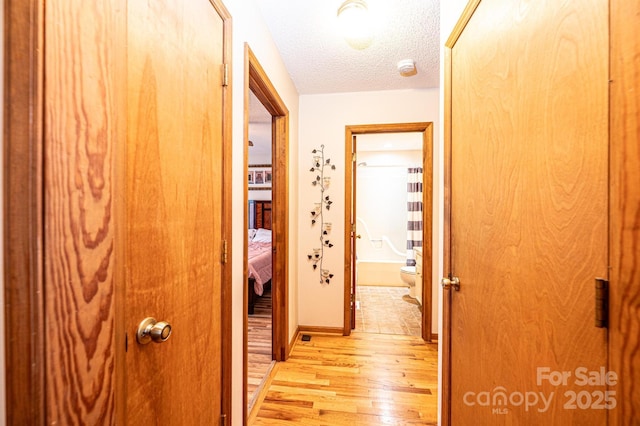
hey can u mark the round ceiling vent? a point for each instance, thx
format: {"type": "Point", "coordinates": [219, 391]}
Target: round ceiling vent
{"type": "Point", "coordinates": [407, 67]}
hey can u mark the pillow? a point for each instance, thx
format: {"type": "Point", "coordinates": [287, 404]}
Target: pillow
{"type": "Point", "coordinates": [252, 233]}
{"type": "Point", "coordinates": [262, 236]}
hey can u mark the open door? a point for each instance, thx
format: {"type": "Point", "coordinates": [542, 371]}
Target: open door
{"type": "Point", "coordinates": [527, 165]}
{"type": "Point", "coordinates": [354, 235]}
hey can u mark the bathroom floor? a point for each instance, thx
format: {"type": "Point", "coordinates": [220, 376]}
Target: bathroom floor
{"type": "Point", "coordinates": [388, 310]}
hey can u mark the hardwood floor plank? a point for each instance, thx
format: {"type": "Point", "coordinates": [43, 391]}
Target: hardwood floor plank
{"type": "Point", "coordinates": [259, 341]}
{"type": "Point", "coordinates": [363, 379]}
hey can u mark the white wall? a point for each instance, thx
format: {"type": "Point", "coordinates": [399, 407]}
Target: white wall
{"type": "Point", "coordinates": [249, 27]}
{"type": "Point", "coordinates": [381, 195]}
{"type": "Point", "coordinates": [450, 12]}
{"type": "Point", "coordinates": [260, 195]}
{"type": "Point", "coordinates": [322, 121]}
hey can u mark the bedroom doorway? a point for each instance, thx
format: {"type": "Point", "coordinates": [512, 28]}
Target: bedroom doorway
{"type": "Point", "coordinates": [266, 245]}
{"type": "Point", "coordinates": [260, 359]}
{"type": "Point", "coordinates": [374, 153]}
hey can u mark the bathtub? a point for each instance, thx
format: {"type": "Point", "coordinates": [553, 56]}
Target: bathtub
{"type": "Point", "coordinates": [380, 273]}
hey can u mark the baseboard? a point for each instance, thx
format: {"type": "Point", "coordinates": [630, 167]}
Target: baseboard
{"type": "Point", "coordinates": [320, 330]}
{"type": "Point", "coordinates": [434, 337]}
{"type": "Point", "coordinates": [294, 338]}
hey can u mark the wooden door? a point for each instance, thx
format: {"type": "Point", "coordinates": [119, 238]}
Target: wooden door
{"type": "Point", "coordinates": [354, 234]}
{"type": "Point", "coordinates": [174, 210]}
{"type": "Point", "coordinates": [77, 190]}
{"type": "Point", "coordinates": [528, 224]}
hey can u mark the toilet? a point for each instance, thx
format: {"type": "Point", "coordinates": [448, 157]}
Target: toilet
{"type": "Point", "coordinates": [408, 276]}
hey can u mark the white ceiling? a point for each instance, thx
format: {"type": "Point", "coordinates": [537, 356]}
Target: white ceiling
{"type": "Point", "coordinates": [320, 61]}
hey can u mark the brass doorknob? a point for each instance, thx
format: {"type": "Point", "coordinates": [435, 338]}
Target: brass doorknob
{"type": "Point", "coordinates": [449, 283]}
{"type": "Point", "coordinates": [151, 330]}
{"type": "Point", "coordinates": [358, 236]}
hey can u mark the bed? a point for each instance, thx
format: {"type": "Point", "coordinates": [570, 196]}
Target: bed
{"type": "Point", "coordinates": [260, 251]}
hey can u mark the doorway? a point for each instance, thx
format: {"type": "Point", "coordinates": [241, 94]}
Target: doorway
{"type": "Point", "coordinates": [356, 228]}
{"type": "Point", "coordinates": [272, 209]}
{"type": "Point", "coordinates": [388, 199]}
{"type": "Point", "coordinates": [260, 357]}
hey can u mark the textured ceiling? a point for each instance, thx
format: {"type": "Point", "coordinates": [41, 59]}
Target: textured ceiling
{"type": "Point", "coordinates": [319, 60]}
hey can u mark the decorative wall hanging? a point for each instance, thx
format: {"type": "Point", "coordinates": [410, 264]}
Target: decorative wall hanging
{"type": "Point", "coordinates": [259, 177]}
{"type": "Point", "coordinates": [321, 182]}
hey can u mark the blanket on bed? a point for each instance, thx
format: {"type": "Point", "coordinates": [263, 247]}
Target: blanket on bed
{"type": "Point", "coordinates": [260, 265]}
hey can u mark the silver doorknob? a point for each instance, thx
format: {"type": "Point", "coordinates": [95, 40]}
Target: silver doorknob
{"type": "Point", "coordinates": [151, 330]}
{"type": "Point", "coordinates": [448, 283]}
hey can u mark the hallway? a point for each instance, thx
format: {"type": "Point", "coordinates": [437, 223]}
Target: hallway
{"type": "Point", "coordinates": [363, 379]}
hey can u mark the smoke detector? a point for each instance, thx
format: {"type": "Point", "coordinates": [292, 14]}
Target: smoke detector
{"type": "Point", "coordinates": [407, 68]}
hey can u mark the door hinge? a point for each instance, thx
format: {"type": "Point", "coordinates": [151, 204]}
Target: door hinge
{"type": "Point", "coordinates": [225, 75]}
{"type": "Point", "coordinates": [224, 252]}
{"type": "Point", "coordinates": [602, 303]}
{"type": "Point", "coordinates": [223, 420]}
{"type": "Point", "coordinates": [354, 157]}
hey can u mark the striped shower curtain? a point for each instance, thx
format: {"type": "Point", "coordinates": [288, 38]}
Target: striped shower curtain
{"type": "Point", "coordinates": [414, 210]}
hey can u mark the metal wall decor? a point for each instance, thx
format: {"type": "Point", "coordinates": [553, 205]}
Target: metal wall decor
{"type": "Point", "coordinates": [321, 182]}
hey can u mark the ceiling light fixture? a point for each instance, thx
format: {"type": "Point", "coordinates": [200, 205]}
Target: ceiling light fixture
{"type": "Point", "coordinates": [355, 23]}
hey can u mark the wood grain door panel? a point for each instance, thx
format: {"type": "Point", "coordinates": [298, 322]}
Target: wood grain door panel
{"type": "Point", "coordinates": [174, 210]}
{"type": "Point", "coordinates": [82, 103]}
{"type": "Point", "coordinates": [528, 207]}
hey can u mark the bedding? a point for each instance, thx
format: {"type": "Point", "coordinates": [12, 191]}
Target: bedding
{"type": "Point", "coordinates": [260, 259]}
{"type": "Point", "coordinates": [262, 236]}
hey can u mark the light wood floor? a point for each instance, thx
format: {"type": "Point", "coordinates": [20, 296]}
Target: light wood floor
{"type": "Point", "coordinates": [363, 379]}
{"type": "Point", "coordinates": [259, 352]}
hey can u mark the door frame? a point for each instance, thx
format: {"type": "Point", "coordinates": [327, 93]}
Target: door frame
{"type": "Point", "coordinates": [624, 207]}
{"type": "Point", "coordinates": [445, 339]}
{"type": "Point", "coordinates": [426, 128]}
{"type": "Point", "coordinates": [257, 81]}
{"type": "Point", "coordinates": [23, 211]}
{"type": "Point", "coordinates": [23, 207]}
